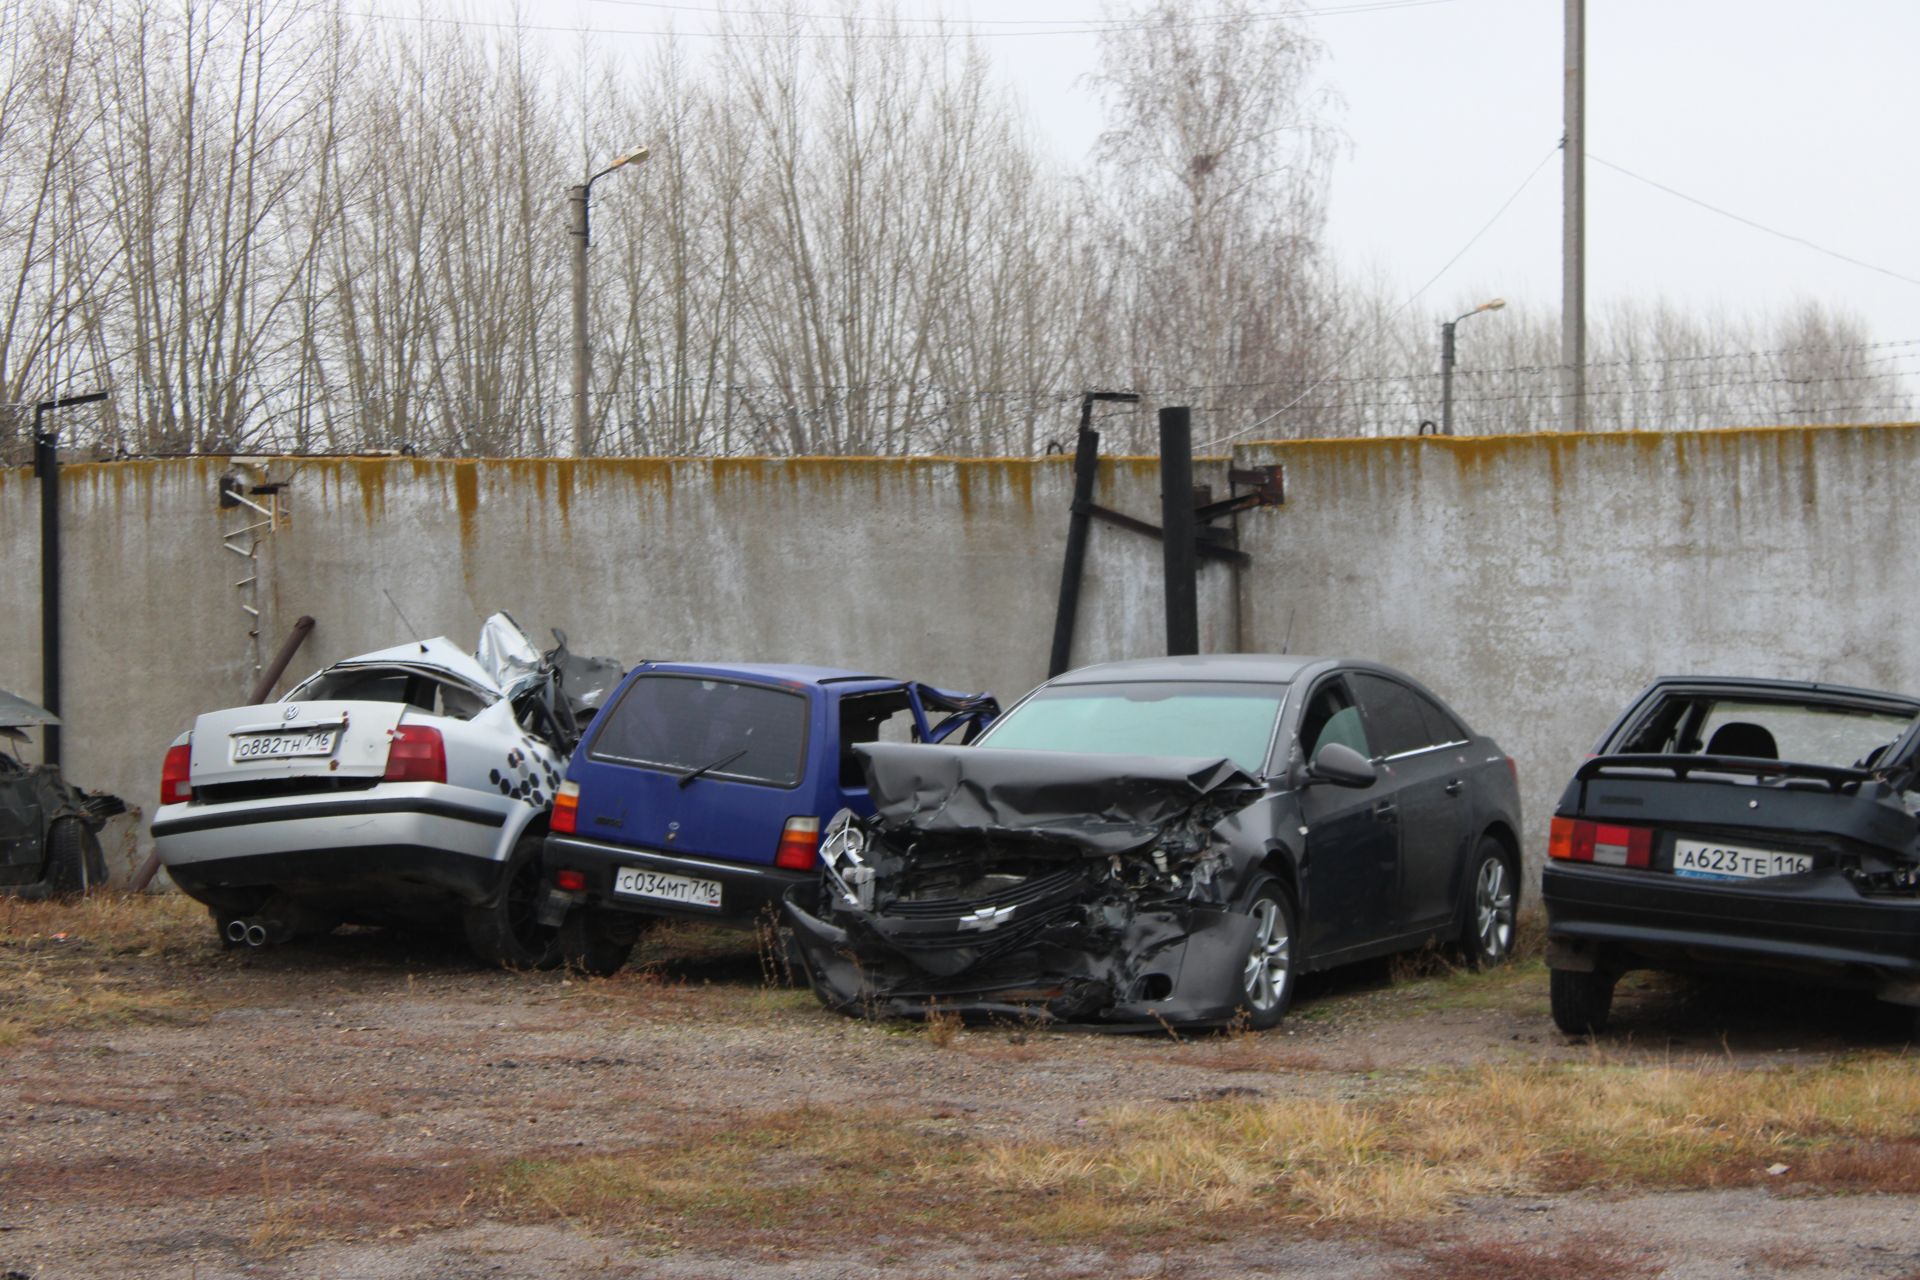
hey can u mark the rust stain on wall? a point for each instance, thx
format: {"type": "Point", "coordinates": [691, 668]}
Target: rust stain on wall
{"type": "Point", "coordinates": [372, 475]}
{"type": "Point", "coordinates": [1809, 475]}
{"type": "Point", "coordinates": [563, 472]}
{"type": "Point", "coordinates": [466, 497]}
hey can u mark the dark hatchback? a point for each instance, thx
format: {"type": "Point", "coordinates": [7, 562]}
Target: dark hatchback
{"type": "Point", "coordinates": [1763, 828]}
{"type": "Point", "coordinates": [1166, 841]}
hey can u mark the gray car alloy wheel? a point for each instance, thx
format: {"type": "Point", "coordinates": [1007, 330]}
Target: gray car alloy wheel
{"type": "Point", "coordinates": [1493, 911]}
{"type": "Point", "coordinates": [1269, 961]}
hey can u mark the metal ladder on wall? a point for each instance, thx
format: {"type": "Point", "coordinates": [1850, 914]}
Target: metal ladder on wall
{"type": "Point", "coordinates": [252, 509]}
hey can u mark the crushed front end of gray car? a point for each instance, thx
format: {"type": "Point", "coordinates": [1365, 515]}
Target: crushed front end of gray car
{"type": "Point", "coordinates": [1034, 885]}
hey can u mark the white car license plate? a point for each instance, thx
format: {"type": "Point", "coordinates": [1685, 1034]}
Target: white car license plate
{"type": "Point", "coordinates": [1709, 860]}
{"type": "Point", "coordinates": [284, 742]}
{"type": "Point", "coordinates": [686, 890]}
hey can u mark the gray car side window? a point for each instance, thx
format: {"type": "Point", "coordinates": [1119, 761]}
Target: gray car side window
{"type": "Point", "coordinates": [1393, 719]}
{"type": "Point", "coordinates": [1332, 716]}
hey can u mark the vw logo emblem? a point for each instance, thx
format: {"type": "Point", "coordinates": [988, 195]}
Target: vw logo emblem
{"type": "Point", "coordinates": [291, 713]}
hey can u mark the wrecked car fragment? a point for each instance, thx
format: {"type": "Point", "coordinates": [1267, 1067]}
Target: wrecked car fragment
{"type": "Point", "coordinates": [49, 828]}
{"type": "Point", "coordinates": [407, 786]}
{"type": "Point", "coordinates": [1169, 841]}
{"type": "Point", "coordinates": [1092, 886]}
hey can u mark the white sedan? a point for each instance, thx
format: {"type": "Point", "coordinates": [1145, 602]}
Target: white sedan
{"type": "Point", "coordinates": [408, 786]}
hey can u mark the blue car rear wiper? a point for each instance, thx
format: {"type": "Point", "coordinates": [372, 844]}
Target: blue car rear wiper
{"type": "Point", "coordinates": [687, 779]}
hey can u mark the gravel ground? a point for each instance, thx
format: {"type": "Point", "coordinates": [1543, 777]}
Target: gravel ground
{"type": "Point", "coordinates": [331, 1108]}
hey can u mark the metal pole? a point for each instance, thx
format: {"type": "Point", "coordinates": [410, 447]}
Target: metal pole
{"type": "Point", "coordinates": [1086, 461]}
{"type": "Point", "coordinates": [1573, 248]}
{"type": "Point", "coordinates": [582, 354]}
{"type": "Point", "coordinates": [1446, 377]}
{"type": "Point", "coordinates": [1177, 539]}
{"type": "Point", "coordinates": [46, 465]}
{"type": "Point", "coordinates": [263, 688]}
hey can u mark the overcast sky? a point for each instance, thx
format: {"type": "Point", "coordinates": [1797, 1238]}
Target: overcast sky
{"type": "Point", "coordinates": [1800, 117]}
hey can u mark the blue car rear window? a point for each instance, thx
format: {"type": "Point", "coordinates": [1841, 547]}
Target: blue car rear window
{"type": "Point", "coordinates": [682, 723]}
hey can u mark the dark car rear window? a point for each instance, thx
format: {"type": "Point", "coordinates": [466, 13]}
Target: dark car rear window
{"type": "Point", "coordinates": [680, 723]}
{"type": "Point", "coordinates": [1807, 730]}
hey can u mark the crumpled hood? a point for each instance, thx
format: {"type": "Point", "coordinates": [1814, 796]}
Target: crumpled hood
{"type": "Point", "coordinates": [17, 712]}
{"type": "Point", "coordinates": [1101, 804]}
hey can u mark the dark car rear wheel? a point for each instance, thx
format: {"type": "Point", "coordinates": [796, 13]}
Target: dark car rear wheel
{"type": "Point", "coordinates": [1581, 1001]}
{"type": "Point", "coordinates": [598, 942]}
{"type": "Point", "coordinates": [507, 931]}
{"type": "Point", "coordinates": [1492, 902]}
{"type": "Point", "coordinates": [1267, 975]}
{"type": "Point", "coordinates": [75, 864]}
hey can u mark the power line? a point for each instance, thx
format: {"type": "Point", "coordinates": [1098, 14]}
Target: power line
{"type": "Point", "coordinates": [1395, 313]}
{"type": "Point", "coordinates": [1749, 222]}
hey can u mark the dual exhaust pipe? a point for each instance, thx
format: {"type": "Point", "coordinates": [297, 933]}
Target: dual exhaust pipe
{"type": "Point", "coordinates": [257, 933]}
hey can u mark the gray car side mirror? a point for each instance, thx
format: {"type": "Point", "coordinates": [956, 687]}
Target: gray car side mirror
{"type": "Point", "coordinates": [1342, 766]}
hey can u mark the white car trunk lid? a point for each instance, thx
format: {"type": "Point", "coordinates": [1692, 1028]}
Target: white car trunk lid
{"type": "Point", "coordinates": [294, 740]}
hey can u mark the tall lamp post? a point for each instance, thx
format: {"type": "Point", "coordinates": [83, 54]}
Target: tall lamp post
{"type": "Point", "coordinates": [577, 198]}
{"type": "Point", "coordinates": [1446, 362]}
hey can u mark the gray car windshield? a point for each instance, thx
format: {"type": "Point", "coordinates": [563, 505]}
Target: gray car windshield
{"type": "Point", "coordinates": [1183, 718]}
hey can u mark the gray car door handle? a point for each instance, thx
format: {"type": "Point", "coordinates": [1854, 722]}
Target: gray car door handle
{"type": "Point", "coordinates": [1453, 788]}
{"type": "Point", "coordinates": [1385, 809]}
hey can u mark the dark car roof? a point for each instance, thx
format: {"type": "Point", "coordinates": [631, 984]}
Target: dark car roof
{"type": "Point", "coordinates": [1252, 668]}
{"type": "Point", "coordinates": [1766, 684]}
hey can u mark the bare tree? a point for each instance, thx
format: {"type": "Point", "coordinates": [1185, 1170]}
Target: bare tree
{"type": "Point", "coordinates": [1212, 193]}
{"type": "Point", "coordinates": [48, 237]}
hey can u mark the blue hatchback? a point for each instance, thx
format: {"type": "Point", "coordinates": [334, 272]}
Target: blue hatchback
{"type": "Point", "coordinates": [701, 790]}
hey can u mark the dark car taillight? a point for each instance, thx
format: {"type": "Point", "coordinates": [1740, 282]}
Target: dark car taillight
{"type": "Point", "coordinates": [176, 786]}
{"type": "Point", "coordinates": [1577, 840]}
{"type": "Point", "coordinates": [565, 818]}
{"type": "Point", "coordinates": [799, 845]}
{"type": "Point", "coordinates": [418, 754]}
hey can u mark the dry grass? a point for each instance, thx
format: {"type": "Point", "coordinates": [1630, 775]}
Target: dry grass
{"type": "Point", "coordinates": [107, 923]}
{"type": "Point", "coordinates": [279, 1229]}
{"type": "Point", "coordinates": [1183, 1171]}
{"type": "Point", "coordinates": [941, 1025]}
{"type": "Point", "coordinates": [1459, 1134]}
{"type": "Point", "coordinates": [771, 1175]}
{"type": "Point", "coordinates": [50, 975]}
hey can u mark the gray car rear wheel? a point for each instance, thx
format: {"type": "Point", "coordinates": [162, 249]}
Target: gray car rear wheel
{"type": "Point", "coordinates": [1493, 901]}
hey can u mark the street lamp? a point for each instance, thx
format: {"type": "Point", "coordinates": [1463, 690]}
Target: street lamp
{"type": "Point", "coordinates": [577, 197]}
{"type": "Point", "coordinates": [1446, 362]}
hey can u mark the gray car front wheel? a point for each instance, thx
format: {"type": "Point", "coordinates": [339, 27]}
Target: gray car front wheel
{"type": "Point", "coordinates": [1267, 974]}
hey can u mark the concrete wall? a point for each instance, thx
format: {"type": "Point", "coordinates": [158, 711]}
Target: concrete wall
{"type": "Point", "coordinates": [945, 570]}
{"type": "Point", "coordinates": [1534, 582]}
